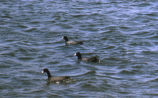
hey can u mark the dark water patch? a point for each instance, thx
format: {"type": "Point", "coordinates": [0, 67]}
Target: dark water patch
{"type": "Point", "coordinates": [130, 72]}
{"type": "Point", "coordinates": [149, 52]}
{"type": "Point", "coordinates": [138, 66]}
{"type": "Point", "coordinates": [90, 87]}
{"type": "Point", "coordinates": [25, 58]}
{"type": "Point", "coordinates": [154, 80]}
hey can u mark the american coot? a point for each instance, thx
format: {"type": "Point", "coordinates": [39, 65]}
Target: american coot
{"type": "Point", "coordinates": [91, 59]}
{"type": "Point", "coordinates": [57, 79]}
{"type": "Point", "coordinates": [71, 42]}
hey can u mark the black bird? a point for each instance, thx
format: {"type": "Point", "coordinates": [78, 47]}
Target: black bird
{"type": "Point", "coordinates": [57, 79]}
{"type": "Point", "coordinates": [91, 59]}
{"type": "Point", "coordinates": [71, 42]}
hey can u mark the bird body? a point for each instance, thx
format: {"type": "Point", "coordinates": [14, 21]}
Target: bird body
{"type": "Point", "coordinates": [71, 42]}
{"type": "Point", "coordinates": [58, 79]}
{"type": "Point", "coordinates": [55, 79]}
{"type": "Point", "coordinates": [90, 59]}
{"type": "Point", "coordinates": [74, 42]}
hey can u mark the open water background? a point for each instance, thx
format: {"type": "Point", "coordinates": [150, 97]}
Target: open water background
{"type": "Point", "coordinates": [123, 33]}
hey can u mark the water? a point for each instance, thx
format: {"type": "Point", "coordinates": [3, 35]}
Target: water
{"type": "Point", "coordinates": [122, 33]}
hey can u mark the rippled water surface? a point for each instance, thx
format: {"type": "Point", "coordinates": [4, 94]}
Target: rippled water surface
{"type": "Point", "coordinates": [123, 33]}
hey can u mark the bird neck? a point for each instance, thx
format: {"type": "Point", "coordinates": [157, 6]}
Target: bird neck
{"type": "Point", "coordinates": [79, 57]}
{"type": "Point", "coordinates": [49, 75]}
{"type": "Point", "coordinates": [66, 39]}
